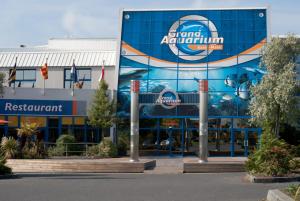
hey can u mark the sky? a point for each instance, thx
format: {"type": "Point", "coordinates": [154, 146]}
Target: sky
{"type": "Point", "coordinates": [33, 22]}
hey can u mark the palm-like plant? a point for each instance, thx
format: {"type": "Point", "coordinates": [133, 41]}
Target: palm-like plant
{"type": "Point", "coordinates": [27, 130]}
{"type": "Point", "coordinates": [9, 147]}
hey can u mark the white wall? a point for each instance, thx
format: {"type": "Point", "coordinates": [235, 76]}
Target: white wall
{"type": "Point", "coordinates": [56, 77]}
{"type": "Point", "coordinates": [109, 77]}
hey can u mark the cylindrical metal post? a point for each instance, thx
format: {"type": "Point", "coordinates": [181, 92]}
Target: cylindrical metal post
{"type": "Point", "coordinates": [134, 121]}
{"type": "Point", "coordinates": [203, 121]}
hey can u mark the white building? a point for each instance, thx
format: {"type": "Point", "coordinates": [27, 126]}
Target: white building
{"type": "Point", "coordinates": [89, 55]}
{"type": "Point", "coordinates": [56, 109]}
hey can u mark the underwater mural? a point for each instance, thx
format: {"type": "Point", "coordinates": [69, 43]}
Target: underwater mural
{"type": "Point", "coordinates": [174, 49]}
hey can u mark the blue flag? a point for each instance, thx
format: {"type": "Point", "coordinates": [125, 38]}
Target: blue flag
{"type": "Point", "coordinates": [74, 73]}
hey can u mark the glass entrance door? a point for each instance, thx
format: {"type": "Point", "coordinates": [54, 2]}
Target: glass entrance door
{"type": "Point", "coordinates": [245, 140]}
{"type": "Point", "coordinates": [253, 140]}
{"type": "Point", "coordinates": [170, 141]}
{"type": "Point", "coordinates": [239, 146]}
{"type": "Point", "coordinates": [219, 141]}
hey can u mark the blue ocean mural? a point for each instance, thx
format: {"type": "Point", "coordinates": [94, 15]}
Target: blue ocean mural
{"type": "Point", "coordinates": [174, 49]}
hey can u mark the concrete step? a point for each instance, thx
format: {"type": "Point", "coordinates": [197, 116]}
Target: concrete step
{"type": "Point", "coordinates": [117, 165]}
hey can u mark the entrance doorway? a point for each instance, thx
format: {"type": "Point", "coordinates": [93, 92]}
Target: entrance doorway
{"type": "Point", "coordinates": [245, 140]}
{"type": "Point", "coordinates": [182, 139]}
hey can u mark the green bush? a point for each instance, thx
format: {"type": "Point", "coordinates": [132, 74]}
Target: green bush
{"type": "Point", "coordinates": [4, 170]}
{"type": "Point", "coordinates": [296, 150]}
{"type": "Point", "coordinates": [56, 151]}
{"type": "Point", "coordinates": [274, 158]}
{"type": "Point", "coordinates": [292, 189]}
{"type": "Point", "coordinates": [107, 149]}
{"type": "Point", "coordinates": [123, 143]}
{"type": "Point", "coordinates": [33, 150]}
{"type": "Point", "coordinates": [9, 147]}
{"type": "Point", "coordinates": [66, 139]}
{"type": "Point", "coordinates": [93, 150]}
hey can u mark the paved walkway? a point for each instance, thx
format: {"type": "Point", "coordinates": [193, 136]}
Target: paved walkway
{"type": "Point", "coordinates": [174, 165]}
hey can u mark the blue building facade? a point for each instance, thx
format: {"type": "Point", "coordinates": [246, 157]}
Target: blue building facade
{"type": "Point", "coordinates": [169, 51]}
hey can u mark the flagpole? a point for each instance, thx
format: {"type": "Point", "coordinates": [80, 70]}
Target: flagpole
{"type": "Point", "coordinates": [73, 77]}
{"type": "Point", "coordinates": [14, 89]}
{"type": "Point", "coordinates": [45, 79]}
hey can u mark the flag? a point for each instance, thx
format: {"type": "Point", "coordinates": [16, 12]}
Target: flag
{"type": "Point", "coordinates": [79, 85]}
{"type": "Point", "coordinates": [74, 74]}
{"type": "Point", "coordinates": [12, 74]}
{"type": "Point", "coordinates": [44, 71]}
{"type": "Point", "coordinates": [102, 73]}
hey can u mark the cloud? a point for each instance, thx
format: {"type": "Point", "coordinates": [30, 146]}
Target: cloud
{"type": "Point", "coordinates": [76, 23]}
{"type": "Point", "coordinates": [215, 3]}
{"type": "Point", "coordinates": [69, 21]}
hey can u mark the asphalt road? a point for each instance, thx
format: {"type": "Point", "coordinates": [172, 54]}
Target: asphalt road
{"type": "Point", "coordinates": [133, 187]}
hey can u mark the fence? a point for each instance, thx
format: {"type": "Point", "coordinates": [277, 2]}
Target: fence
{"type": "Point", "coordinates": [69, 149]}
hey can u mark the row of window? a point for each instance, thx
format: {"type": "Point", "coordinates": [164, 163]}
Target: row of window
{"type": "Point", "coordinates": [27, 77]}
{"type": "Point", "coordinates": [50, 128]}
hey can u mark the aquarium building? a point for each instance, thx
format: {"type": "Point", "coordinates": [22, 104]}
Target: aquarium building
{"type": "Point", "coordinates": [169, 51]}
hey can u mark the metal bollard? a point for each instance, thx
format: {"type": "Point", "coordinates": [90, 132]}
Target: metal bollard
{"type": "Point", "coordinates": [203, 121]}
{"type": "Point", "coordinates": [134, 121]}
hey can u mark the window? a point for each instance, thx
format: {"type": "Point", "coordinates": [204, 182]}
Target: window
{"type": "Point", "coordinates": [25, 77]}
{"type": "Point", "coordinates": [83, 75]}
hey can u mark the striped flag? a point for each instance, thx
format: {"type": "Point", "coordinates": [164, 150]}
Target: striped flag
{"type": "Point", "coordinates": [102, 73]}
{"type": "Point", "coordinates": [44, 71]}
{"type": "Point", "coordinates": [12, 74]}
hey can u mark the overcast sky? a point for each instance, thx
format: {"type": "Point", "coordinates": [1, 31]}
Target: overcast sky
{"type": "Point", "coordinates": [33, 22]}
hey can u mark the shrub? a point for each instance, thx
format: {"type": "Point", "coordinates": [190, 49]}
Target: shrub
{"type": "Point", "coordinates": [66, 139]}
{"type": "Point", "coordinates": [107, 149]}
{"type": "Point", "coordinates": [9, 147]}
{"type": "Point", "coordinates": [33, 150]}
{"type": "Point", "coordinates": [274, 158]}
{"type": "Point", "coordinates": [93, 150]}
{"type": "Point", "coordinates": [123, 143]}
{"type": "Point", "coordinates": [296, 150]}
{"type": "Point", "coordinates": [292, 189]}
{"type": "Point", "coordinates": [4, 170]}
{"type": "Point", "coordinates": [56, 151]}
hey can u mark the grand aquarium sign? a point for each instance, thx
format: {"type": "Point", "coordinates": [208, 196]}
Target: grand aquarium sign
{"type": "Point", "coordinates": [171, 50]}
{"type": "Point", "coordinates": [42, 107]}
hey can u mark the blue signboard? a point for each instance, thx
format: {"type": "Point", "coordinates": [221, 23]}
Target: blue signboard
{"type": "Point", "coordinates": [42, 107]}
{"type": "Point", "coordinates": [173, 49]}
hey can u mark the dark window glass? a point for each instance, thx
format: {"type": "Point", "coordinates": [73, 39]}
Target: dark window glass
{"type": "Point", "coordinates": [83, 75]}
{"type": "Point", "coordinates": [25, 77]}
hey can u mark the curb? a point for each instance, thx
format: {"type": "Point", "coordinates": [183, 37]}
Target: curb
{"type": "Point", "coordinates": [9, 176]}
{"type": "Point", "coordinates": [277, 195]}
{"type": "Point", "coordinates": [260, 179]}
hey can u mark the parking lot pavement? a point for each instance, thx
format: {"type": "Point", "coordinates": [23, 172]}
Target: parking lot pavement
{"type": "Point", "coordinates": [133, 187]}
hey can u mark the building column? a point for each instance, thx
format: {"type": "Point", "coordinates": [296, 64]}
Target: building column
{"type": "Point", "coordinates": [134, 121]}
{"type": "Point", "coordinates": [203, 121]}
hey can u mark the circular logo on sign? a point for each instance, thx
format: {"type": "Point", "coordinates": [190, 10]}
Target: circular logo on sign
{"type": "Point", "coordinates": [168, 99]}
{"type": "Point", "coordinates": [193, 37]}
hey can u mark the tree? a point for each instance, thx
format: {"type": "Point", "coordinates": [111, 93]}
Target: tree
{"type": "Point", "coordinates": [27, 131]}
{"type": "Point", "coordinates": [2, 76]}
{"type": "Point", "coordinates": [274, 99]}
{"type": "Point", "coordinates": [102, 111]}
